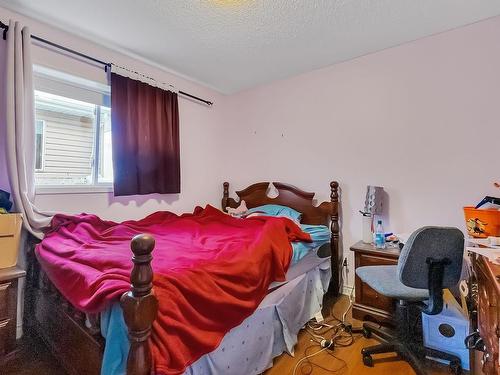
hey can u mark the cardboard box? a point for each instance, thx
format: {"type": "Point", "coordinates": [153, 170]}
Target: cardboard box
{"type": "Point", "coordinates": [10, 235]}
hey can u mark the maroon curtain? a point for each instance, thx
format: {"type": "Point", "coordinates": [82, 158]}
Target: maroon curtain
{"type": "Point", "coordinates": [145, 133]}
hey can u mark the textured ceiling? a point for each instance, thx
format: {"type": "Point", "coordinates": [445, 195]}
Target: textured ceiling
{"type": "Point", "coordinates": [234, 45]}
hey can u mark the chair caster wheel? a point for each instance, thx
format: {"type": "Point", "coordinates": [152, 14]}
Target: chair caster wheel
{"type": "Point", "coordinates": [456, 368]}
{"type": "Point", "coordinates": [368, 360]}
{"type": "Point", "coordinates": [366, 333]}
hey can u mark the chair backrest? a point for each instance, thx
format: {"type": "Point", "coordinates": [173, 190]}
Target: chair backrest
{"type": "Point", "coordinates": [431, 242]}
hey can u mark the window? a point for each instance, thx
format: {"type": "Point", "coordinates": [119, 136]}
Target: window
{"type": "Point", "coordinates": [73, 136]}
{"type": "Point", "coordinates": [105, 164]}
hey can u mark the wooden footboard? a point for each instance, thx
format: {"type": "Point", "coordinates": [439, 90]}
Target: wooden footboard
{"type": "Point", "coordinates": [78, 347]}
{"type": "Point", "coordinates": [140, 306]}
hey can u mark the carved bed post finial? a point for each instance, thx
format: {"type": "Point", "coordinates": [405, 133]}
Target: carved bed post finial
{"type": "Point", "coordinates": [225, 196]}
{"type": "Point", "coordinates": [140, 306]}
{"type": "Point", "coordinates": [334, 243]}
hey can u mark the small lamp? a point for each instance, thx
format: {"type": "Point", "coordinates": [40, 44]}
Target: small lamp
{"type": "Point", "coordinates": [373, 206]}
{"type": "Point", "coordinates": [373, 200]}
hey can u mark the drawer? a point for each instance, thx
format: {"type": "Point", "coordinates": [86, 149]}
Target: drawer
{"type": "Point", "coordinates": [373, 260]}
{"type": "Point", "coordinates": [370, 297]}
{"type": "Point", "coordinates": [6, 290]}
{"type": "Point", "coordinates": [5, 336]}
{"type": "Point", "coordinates": [8, 299]}
{"type": "Point", "coordinates": [367, 296]}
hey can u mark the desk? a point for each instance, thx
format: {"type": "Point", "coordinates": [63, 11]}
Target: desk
{"type": "Point", "coordinates": [368, 304]}
{"type": "Point", "coordinates": [487, 275]}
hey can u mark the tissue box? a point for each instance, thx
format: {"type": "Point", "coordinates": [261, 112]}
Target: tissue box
{"type": "Point", "coordinates": [447, 330]}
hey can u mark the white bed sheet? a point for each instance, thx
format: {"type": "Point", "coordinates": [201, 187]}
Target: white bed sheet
{"type": "Point", "coordinates": [272, 329]}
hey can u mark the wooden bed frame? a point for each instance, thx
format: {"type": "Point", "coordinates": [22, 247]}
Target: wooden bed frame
{"type": "Point", "coordinates": [327, 213]}
{"type": "Point", "coordinates": [75, 339]}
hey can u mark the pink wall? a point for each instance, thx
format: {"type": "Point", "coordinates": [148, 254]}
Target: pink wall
{"type": "Point", "coordinates": [421, 119]}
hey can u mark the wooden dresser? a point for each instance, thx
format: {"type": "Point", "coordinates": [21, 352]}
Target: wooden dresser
{"type": "Point", "coordinates": [8, 308]}
{"type": "Point", "coordinates": [368, 304]}
{"type": "Point", "coordinates": [487, 275]}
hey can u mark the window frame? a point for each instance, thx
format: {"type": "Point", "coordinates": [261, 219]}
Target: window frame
{"type": "Point", "coordinates": [42, 156]}
{"type": "Point", "coordinates": [74, 189]}
{"type": "Point", "coordinates": [96, 152]}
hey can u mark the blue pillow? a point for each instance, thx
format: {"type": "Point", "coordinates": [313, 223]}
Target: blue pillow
{"type": "Point", "coordinates": [276, 210]}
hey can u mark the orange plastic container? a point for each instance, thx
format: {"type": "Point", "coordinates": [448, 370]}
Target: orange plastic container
{"type": "Point", "coordinates": [482, 223]}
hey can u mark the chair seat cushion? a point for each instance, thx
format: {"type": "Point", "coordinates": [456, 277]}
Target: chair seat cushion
{"type": "Point", "coordinates": [384, 280]}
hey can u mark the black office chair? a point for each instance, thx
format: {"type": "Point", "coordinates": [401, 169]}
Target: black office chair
{"type": "Point", "coordinates": [429, 262]}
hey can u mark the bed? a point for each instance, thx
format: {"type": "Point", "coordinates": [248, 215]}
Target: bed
{"type": "Point", "coordinates": [75, 337]}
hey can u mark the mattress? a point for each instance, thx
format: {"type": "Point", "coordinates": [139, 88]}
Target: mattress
{"type": "Point", "coordinates": [314, 258]}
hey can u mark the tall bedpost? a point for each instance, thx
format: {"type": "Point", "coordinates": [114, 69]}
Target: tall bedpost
{"type": "Point", "coordinates": [225, 196]}
{"type": "Point", "coordinates": [140, 306]}
{"type": "Point", "coordinates": [334, 243]}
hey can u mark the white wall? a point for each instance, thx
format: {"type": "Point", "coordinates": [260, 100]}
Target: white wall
{"type": "Point", "coordinates": [421, 119]}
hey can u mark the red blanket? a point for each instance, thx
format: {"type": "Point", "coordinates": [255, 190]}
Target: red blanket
{"type": "Point", "coordinates": [211, 271]}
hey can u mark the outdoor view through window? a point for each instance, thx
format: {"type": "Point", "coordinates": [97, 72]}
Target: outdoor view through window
{"type": "Point", "coordinates": [73, 142]}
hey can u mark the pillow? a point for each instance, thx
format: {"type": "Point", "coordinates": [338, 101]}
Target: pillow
{"type": "Point", "coordinates": [276, 210]}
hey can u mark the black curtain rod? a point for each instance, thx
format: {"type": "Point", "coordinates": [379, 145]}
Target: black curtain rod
{"type": "Point", "coordinates": [90, 58]}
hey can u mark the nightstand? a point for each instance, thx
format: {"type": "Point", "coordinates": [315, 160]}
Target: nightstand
{"type": "Point", "coordinates": [8, 308]}
{"type": "Point", "coordinates": [368, 304]}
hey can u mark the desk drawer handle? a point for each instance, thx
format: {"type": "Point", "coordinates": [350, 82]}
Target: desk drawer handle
{"type": "Point", "coordinates": [4, 323]}
{"type": "Point", "coordinates": [4, 286]}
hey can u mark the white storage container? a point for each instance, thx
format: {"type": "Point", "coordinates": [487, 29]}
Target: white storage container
{"type": "Point", "coordinates": [447, 330]}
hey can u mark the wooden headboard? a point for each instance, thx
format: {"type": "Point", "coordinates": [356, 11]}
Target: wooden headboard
{"type": "Point", "coordinates": [327, 213]}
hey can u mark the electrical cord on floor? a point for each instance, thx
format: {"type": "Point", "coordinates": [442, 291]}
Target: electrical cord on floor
{"type": "Point", "coordinates": [351, 301]}
{"type": "Point", "coordinates": [306, 366]}
{"type": "Point", "coordinates": [340, 334]}
{"type": "Point", "coordinates": [306, 358]}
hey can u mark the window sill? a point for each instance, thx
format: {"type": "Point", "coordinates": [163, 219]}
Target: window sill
{"type": "Point", "coordinates": [53, 190]}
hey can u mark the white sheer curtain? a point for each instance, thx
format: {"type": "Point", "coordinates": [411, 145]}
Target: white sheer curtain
{"type": "Point", "coordinates": [20, 116]}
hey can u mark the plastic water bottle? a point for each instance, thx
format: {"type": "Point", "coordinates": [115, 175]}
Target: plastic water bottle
{"type": "Point", "coordinates": [379, 236]}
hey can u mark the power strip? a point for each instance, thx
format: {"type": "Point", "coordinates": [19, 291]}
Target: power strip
{"type": "Point", "coordinates": [327, 344]}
